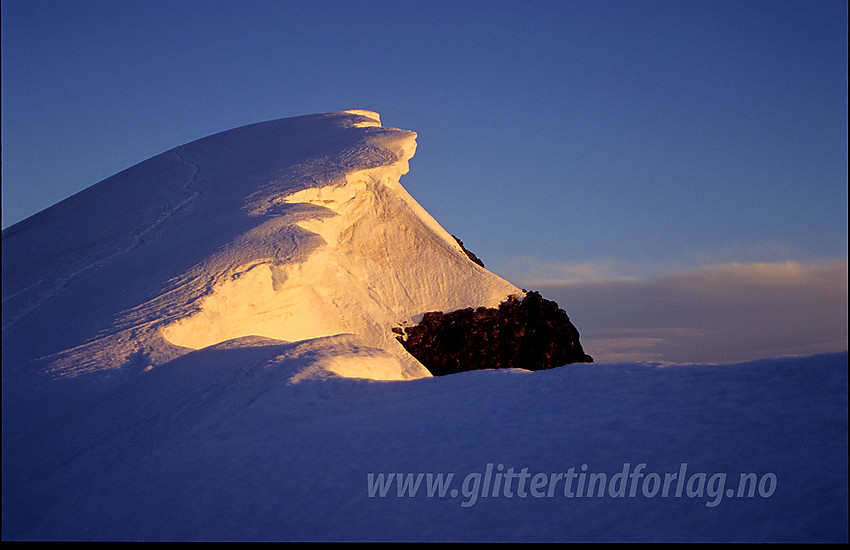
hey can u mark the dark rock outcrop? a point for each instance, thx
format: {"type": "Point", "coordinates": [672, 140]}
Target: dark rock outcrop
{"type": "Point", "coordinates": [532, 334]}
{"type": "Point", "coordinates": [469, 254]}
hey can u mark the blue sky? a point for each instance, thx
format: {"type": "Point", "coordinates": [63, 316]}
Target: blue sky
{"type": "Point", "coordinates": [561, 140]}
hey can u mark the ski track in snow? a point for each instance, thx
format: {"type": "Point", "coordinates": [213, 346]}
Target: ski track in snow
{"type": "Point", "coordinates": [136, 241]}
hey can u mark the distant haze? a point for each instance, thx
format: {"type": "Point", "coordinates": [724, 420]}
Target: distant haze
{"type": "Point", "coordinates": [718, 314]}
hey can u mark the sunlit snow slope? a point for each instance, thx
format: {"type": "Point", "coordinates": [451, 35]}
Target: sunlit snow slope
{"type": "Point", "coordinates": [290, 230]}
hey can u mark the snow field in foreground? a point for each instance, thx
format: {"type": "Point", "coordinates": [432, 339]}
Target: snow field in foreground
{"type": "Point", "coordinates": [257, 443]}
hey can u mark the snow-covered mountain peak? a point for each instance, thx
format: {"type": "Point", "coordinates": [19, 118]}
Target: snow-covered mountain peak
{"type": "Point", "coordinates": [376, 259]}
{"type": "Point", "coordinates": [288, 230]}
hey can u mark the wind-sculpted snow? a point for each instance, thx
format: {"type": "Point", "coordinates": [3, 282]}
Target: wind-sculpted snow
{"type": "Point", "coordinates": [290, 229]}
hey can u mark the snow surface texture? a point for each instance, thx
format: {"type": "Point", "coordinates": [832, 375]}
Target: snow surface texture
{"type": "Point", "coordinates": [199, 348]}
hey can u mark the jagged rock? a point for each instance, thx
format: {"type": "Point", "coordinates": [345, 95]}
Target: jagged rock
{"type": "Point", "coordinates": [469, 254]}
{"type": "Point", "coordinates": [532, 334]}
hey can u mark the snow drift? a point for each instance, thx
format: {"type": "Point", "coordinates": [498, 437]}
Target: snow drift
{"type": "Point", "coordinates": [201, 348]}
